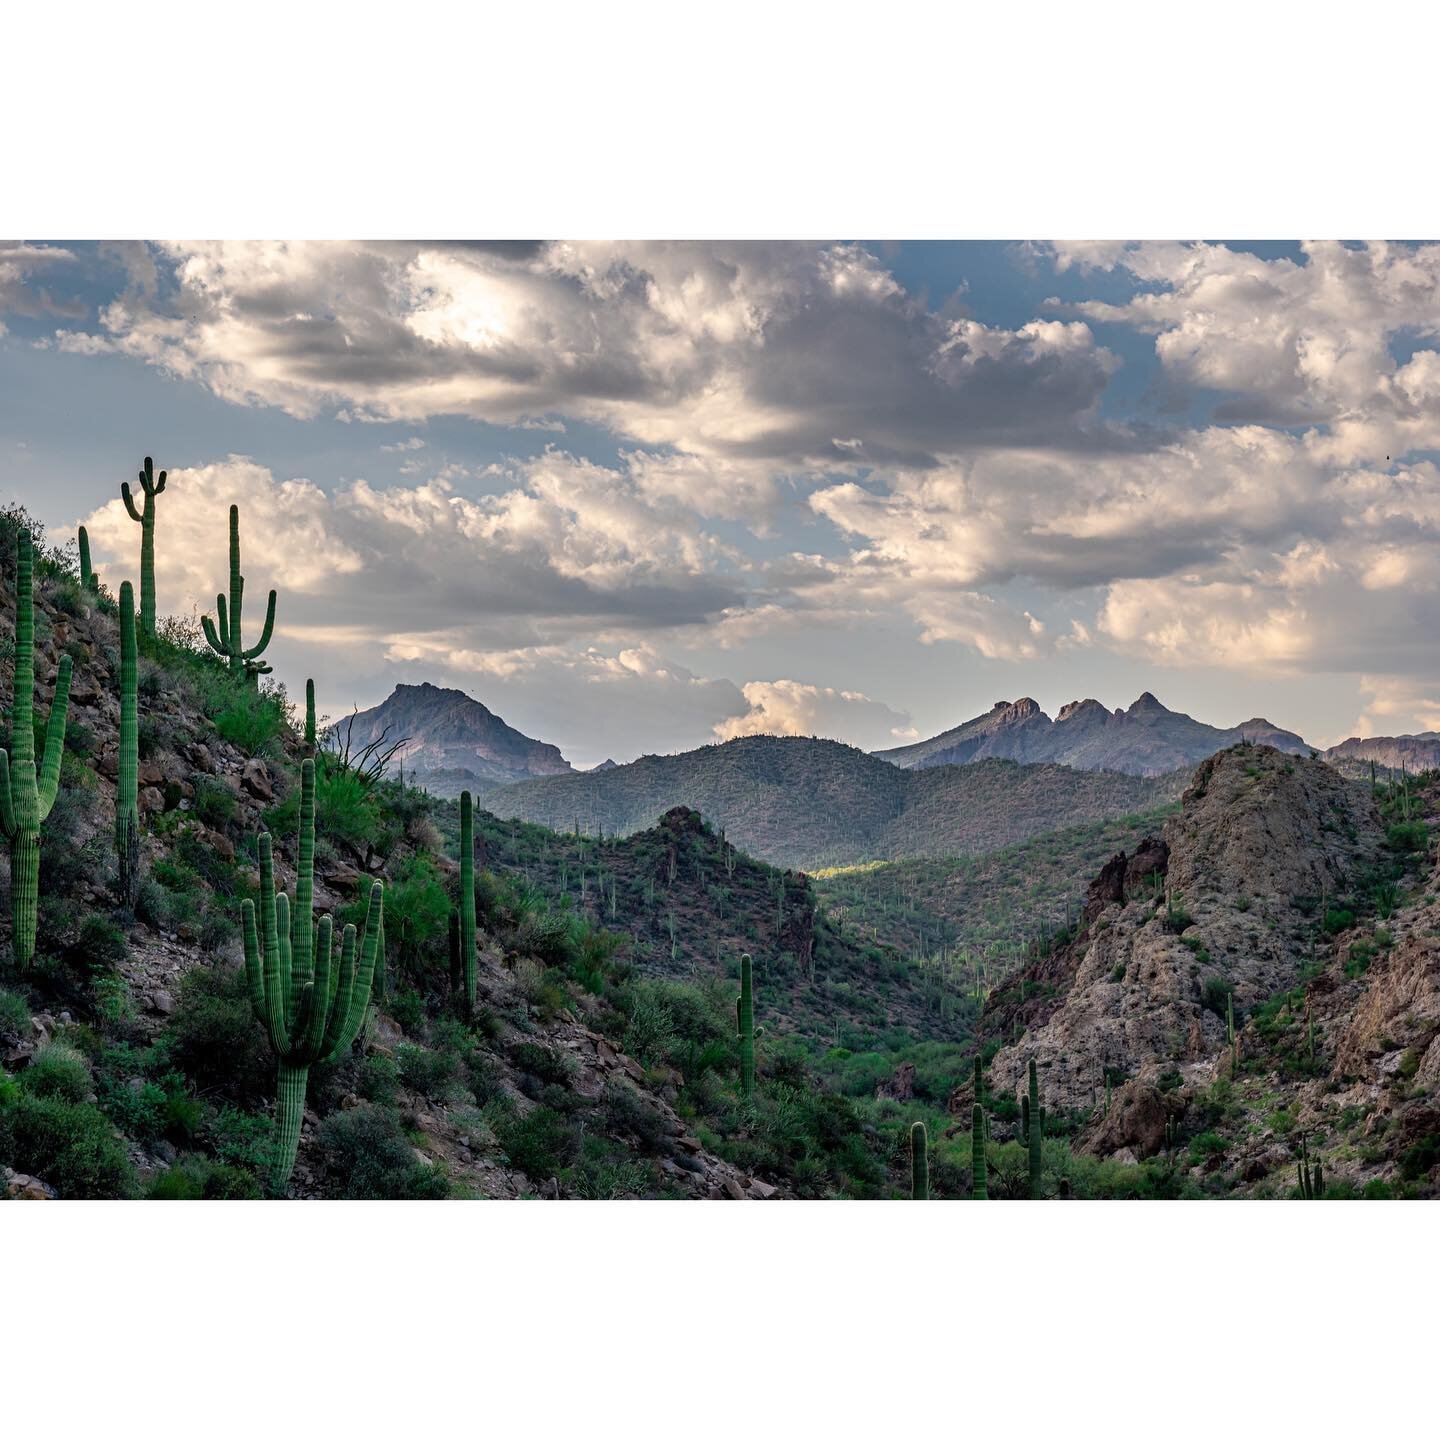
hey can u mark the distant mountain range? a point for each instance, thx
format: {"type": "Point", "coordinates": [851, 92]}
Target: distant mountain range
{"type": "Point", "coordinates": [451, 741]}
{"type": "Point", "coordinates": [1146, 739]}
{"type": "Point", "coordinates": [808, 803]}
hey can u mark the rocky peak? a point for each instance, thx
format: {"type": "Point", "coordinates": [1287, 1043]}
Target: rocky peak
{"type": "Point", "coordinates": [1091, 710]}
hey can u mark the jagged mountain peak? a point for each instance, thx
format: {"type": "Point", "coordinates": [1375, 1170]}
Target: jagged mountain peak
{"type": "Point", "coordinates": [452, 741]}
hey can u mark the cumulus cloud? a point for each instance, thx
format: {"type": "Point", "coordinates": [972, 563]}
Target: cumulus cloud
{"type": "Point", "coordinates": [788, 353]}
{"type": "Point", "coordinates": [789, 707]}
{"type": "Point", "coordinates": [23, 290]}
{"type": "Point", "coordinates": [1296, 342]}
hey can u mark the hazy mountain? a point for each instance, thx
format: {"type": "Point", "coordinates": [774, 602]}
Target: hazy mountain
{"type": "Point", "coordinates": [451, 741]}
{"type": "Point", "coordinates": [1389, 752]}
{"type": "Point", "coordinates": [807, 803]}
{"type": "Point", "coordinates": [1146, 739]}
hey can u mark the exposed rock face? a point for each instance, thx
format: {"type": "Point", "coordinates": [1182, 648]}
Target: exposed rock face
{"type": "Point", "coordinates": [1146, 739]}
{"type": "Point", "coordinates": [1411, 753]}
{"type": "Point", "coordinates": [451, 740]}
{"type": "Point", "coordinates": [1212, 904]}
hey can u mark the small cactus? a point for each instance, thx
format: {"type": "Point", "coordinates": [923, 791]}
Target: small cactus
{"type": "Point", "coordinates": [1312, 1177]}
{"type": "Point", "coordinates": [89, 580]}
{"type": "Point", "coordinates": [919, 1162]}
{"type": "Point", "coordinates": [145, 518]}
{"type": "Point", "coordinates": [1033, 1137]}
{"type": "Point", "coordinates": [979, 1189]}
{"type": "Point", "coordinates": [746, 1032]}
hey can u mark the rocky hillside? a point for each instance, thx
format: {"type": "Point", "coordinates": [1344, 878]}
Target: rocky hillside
{"type": "Point", "coordinates": [1146, 739]}
{"type": "Point", "coordinates": [447, 741]}
{"type": "Point", "coordinates": [130, 1062]}
{"type": "Point", "coordinates": [807, 804]}
{"type": "Point", "coordinates": [1299, 899]}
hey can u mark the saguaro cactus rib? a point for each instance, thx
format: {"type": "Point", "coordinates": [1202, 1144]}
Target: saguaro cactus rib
{"type": "Point", "coordinates": [226, 638]}
{"type": "Point", "coordinates": [979, 1184]}
{"type": "Point", "coordinates": [306, 1015]}
{"type": "Point", "coordinates": [27, 794]}
{"type": "Point", "coordinates": [145, 518]}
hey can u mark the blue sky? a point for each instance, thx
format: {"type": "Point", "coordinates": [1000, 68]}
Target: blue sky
{"type": "Point", "coordinates": [638, 497]}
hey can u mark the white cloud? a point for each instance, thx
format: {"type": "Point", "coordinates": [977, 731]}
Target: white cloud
{"type": "Point", "coordinates": [790, 707]}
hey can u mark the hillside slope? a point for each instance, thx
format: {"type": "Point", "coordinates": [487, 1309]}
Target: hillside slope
{"type": "Point", "coordinates": [1146, 739]}
{"type": "Point", "coordinates": [807, 803]}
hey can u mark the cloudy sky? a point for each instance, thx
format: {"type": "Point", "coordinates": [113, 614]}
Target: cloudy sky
{"type": "Point", "coordinates": [637, 497]}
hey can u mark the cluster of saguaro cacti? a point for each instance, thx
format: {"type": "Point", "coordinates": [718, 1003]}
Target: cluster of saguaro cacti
{"type": "Point", "coordinates": [311, 1008]}
{"type": "Point", "coordinates": [226, 638]}
{"type": "Point", "coordinates": [127, 799]}
{"type": "Point", "coordinates": [88, 578]}
{"type": "Point", "coordinates": [1312, 1177]}
{"type": "Point", "coordinates": [1033, 1136]}
{"type": "Point", "coordinates": [919, 1162]}
{"type": "Point", "coordinates": [746, 1033]}
{"type": "Point", "coordinates": [145, 518]}
{"type": "Point", "coordinates": [27, 794]}
{"type": "Point", "coordinates": [462, 931]}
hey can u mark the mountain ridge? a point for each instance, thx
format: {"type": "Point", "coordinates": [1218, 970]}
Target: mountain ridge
{"type": "Point", "coordinates": [1146, 738]}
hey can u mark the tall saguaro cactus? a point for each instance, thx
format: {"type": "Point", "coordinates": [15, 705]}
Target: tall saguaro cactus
{"type": "Point", "coordinates": [88, 578]}
{"type": "Point", "coordinates": [226, 638]}
{"type": "Point", "coordinates": [127, 797]}
{"type": "Point", "coordinates": [467, 901]}
{"type": "Point", "coordinates": [919, 1162]}
{"type": "Point", "coordinates": [310, 1008]}
{"type": "Point", "coordinates": [979, 1184]}
{"type": "Point", "coordinates": [745, 1028]}
{"type": "Point", "coordinates": [1036, 1156]}
{"type": "Point", "coordinates": [145, 518]}
{"type": "Point", "coordinates": [27, 795]}
{"type": "Point", "coordinates": [309, 715]}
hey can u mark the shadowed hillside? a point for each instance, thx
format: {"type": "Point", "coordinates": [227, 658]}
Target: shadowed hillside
{"type": "Point", "coordinates": [811, 803]}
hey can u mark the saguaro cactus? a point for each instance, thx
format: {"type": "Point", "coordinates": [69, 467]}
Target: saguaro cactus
{"type": "Point", "coordinates": [309, 715]}
{"type": "Point", "coordinates": [467, 901]}
{"type": "Point", "coordinates": [26, 796]}
{"type": "Point", "coordinates": [226, 639]}
{"type": "Point", "coordinates": [1036, 1157]}
{"type": "Point", "coordinates": [979, 1185]}
{"type": "Point", "coordinates": [309, 1010]}
{"type": "Point", "coordinates": [919, 1162]}
{"type": "Point", "coordinates": [1312, 1178]}
{"type": "Point", "coordinates": [745, 1029]}
{"type": "Point", "coordinates": [145, 518]}
{"type": "Point", "coordinates": [127, 801]}
{"type": "Point", "coordinates": [88, 578]}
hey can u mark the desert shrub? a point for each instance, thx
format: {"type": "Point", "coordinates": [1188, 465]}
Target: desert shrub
{"type": "Point", "coordinates": [72, 1147]}
{"type": "Point", "coordinates": [214, 804]}
{"type": "Point", "coordinates": [213, 1035]}
{"type": "Point", "coordinates": [101, 944]}
{"type": "Point", "coordinates": [434, 1074]}
{"type": "Point", "coordinates": [1407, 837]}
{"type": "Point", "coordinates": [58, 1072]}
{"type": "Point", "coordinates": [251, 721]}
{"type": "Point", "coordinates": [14, 1014]}
{"type": "Point", "coordinates": [1338, 919]}
{"type": "Point", "coordinates": [1420, 1158]}
{"type": "Point", "coordinates": [1215, 997]}
{"type": "Point", "coordinates": [541, 1143]}
{"type": "Point", "coordinates": [379, 1079]}
{"type": "Point", "coordinates": [196, 1178]}
{"type": "Point", "coordinates": [241, 1139]}
{"type": "Point", "coordinates": [367, 1157]}
{"type": "Point", "coordinates": [1204, 1145]}
{"type": "Point", "coordinates": [627, 1114]}
{"type": "Point", "coordinates": [606, 1172]}
{"type": "Point", "coordinates": [552, 1067]}
{"type": "Point", "coordinates": [417, 910]}
{"type": "Point", "coordinates": [406, 1006]}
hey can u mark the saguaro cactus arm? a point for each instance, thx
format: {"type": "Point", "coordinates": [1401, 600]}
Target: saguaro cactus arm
{"type": "Point", "coordinates": [49, 780]}
{"type": "Point", "coordinates": [7, 808]}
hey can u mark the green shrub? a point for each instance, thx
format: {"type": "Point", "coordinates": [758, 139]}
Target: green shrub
{"type": "Point", "coordinates": [1206, 1144]}
{"type": "Point", "coordinates": [552, 1067]}
{"type": "Point", "coordinates": [251, 721]}
{"type": "Point", "coordinates": [214, 1037]}
{"type": "Point", "coordinates": [1338, 919]}
{"type": "Point", "coordinates": [71, 1147]}
{"type": "Point", "coordinates": [431, 1073]}
{"type": "Point", "coordinates": [14, 1014]}
{"type": "Point", "coordinates": [101, 945]}
{"type": "Point", "coordinates": [367, 1157]}
{"type": "Point", "coordinates": [214, 804]}
{"type": "Point", "coordinates": [195, 1178]}
{"type": "Point", "coordinates": [541, 1143]}
{"type": "Point", "coordinates": [1216, 996]}
{"type": "Point", "coordinates": [58, 1072]}
{"type": "Point", "coordinates": [1407, 837]}
{"type": "Point", "coordinates": [379, 1079]}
